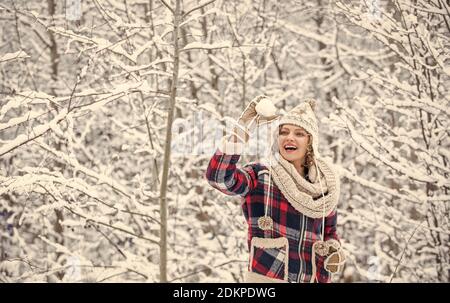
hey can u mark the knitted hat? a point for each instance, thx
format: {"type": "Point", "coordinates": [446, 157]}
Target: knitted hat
{"type": "Point", "coordinates": [303, 116]}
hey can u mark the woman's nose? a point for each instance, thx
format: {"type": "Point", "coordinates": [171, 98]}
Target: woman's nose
{"type": "Point", "coordinates": [290, 136]}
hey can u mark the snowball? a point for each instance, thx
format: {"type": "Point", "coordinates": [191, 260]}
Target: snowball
{"type": "Point", "coordinates": [265, 108]}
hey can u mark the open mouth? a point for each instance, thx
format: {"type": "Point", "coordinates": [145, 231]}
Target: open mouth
{"type": "Point", "coordinates": [290, 148]}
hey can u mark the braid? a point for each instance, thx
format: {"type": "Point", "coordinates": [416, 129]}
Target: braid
{"type": "Point", "coordinates": [309, 157]}
{"type": "Point", "coordinates": [309, 154]}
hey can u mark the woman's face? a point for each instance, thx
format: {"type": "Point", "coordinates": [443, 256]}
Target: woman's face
{"type": "Point", "coordinates": [293, 142]}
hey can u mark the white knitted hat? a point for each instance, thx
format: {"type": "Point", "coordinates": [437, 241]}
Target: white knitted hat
{"type": "Point", "coordinates": [303, 116]}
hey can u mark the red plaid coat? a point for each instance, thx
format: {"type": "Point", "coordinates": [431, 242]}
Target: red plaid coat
{"type": "Point", "coordinates": [251, 183]}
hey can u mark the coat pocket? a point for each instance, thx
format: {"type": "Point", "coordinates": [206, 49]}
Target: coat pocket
{"type": "Point", "coordinates": [270, 257]}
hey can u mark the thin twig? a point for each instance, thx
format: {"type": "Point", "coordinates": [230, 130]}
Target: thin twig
{"type": "Point", "coordinates": [113, 227]}
{"type": "Point", "coordinates": [198, 7]}
{"type": "Point", "coordinates": [403, 252]}
{"type": "Point", "coordinates": [99, 222]}
{"type": "Point", "coordinates": [111, 242]}
{"type": "Point", "coordinates": [168, 6]}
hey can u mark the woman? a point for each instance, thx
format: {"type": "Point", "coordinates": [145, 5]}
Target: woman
{"type": "Point", "coordinates": [289, 205]}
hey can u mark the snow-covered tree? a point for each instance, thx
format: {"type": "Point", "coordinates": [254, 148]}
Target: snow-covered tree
{"type": "Point", "coordinates": [395, 117]}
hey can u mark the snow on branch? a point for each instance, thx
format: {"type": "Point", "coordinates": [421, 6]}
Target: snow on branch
{"type": "Point", "coordinates": [413, 173]}
{"type": "Point", "coordinates": [213, 10]}
{"type": "Point", "coordinates": [13, 56]}
{"type": "Point", "coordinates": [118, 227]}
{"type": "Point", "coordinates": [22, 99]}
{"type": "Point", "coordinates": [201, 5]}
{"type": "Point", "coordinates": [62, 249]}
{"type": "Point", "coordinates": [101, 179]}
{"type": "Point", "coordinates": [419, 198]}
{"type": "Point", "coordinates": [426, 8]}
{"type": "Point", "coordinates": [200, 45]}
{"type": "Point", "coordinates": [44, 180]}
{"type": "Point", "coordinates": [35, 132]}
{"type": "Point", "coordinates": [118, 91]}
{"type": "Point", "coordinates": [25, 98]}
{"type": "Point", "coordinates": [99, 43]}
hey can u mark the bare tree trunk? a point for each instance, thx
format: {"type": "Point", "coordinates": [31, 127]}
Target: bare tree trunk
{"type": "Point", "coordinates": [54, 60]}
{"type": "Point", "coordinates": [148, 8]}
{"type": "Point", "coordinates": [53, 47]}
{"type": "Point", "coordinates": [167, 147]}
{"type": "Point", "coordinates": [244, 86]}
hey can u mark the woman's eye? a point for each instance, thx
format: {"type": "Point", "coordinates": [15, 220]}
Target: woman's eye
{"type": "Point", "coordinates": [284, 133]}
{"type": "Point", "coordinates": [300, 134]}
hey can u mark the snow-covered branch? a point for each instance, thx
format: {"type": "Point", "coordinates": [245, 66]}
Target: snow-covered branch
{"type": "Point", "coordinates": [13, 56]}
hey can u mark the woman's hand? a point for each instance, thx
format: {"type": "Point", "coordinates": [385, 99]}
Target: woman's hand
{"type": "Point", "coordinates": [251, 112]}
{"type": "Point", "coordinates": [250, 118]}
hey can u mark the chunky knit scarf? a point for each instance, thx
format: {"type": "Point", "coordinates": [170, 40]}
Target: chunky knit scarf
{"type": "Point", "coordinates": [306, 196]}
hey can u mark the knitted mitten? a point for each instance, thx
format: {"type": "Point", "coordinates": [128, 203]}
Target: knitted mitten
{"type": "Point", "coordinates": [335, 260]}
{"type": "Point", "coordinates": [333, 253]}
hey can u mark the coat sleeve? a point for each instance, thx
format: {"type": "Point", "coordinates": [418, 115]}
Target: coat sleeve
{"type": "Point", "coordinates": [223, 174]}
{"type": "Point", "coordinates": [330, 226]}
{"type": "Point", "coordinates": [331, 219]}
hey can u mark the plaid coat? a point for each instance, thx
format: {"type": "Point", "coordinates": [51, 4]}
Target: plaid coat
{"type": "Point", "coordinates": [290, 262]}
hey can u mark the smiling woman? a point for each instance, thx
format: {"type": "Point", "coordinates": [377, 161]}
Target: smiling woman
{"type": "Point", "coordinates": [290, 205]}
{"type": "Point", "coordinates": [294, 144]}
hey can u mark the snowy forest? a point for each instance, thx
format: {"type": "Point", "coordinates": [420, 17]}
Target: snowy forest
{"type": "Point", "coordinates": [111, 109]}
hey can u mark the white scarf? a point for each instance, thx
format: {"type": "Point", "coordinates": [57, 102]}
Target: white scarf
{"type": "Point", "coordinates": [304, 196]}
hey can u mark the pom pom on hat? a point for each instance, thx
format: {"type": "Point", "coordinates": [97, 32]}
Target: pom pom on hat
{"type": "Point", "coordinates": [312, 103]}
